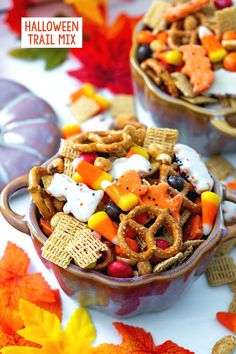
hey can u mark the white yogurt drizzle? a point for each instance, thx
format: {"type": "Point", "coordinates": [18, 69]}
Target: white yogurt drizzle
{"type": "Point", "coordinates": [195, 170]}
{"type": "Point", "coordinates": [135, 162]}
{"type": "Point", "coordinates": [81, 200]}
{"type": "Point", "coordinates": [229, 211]}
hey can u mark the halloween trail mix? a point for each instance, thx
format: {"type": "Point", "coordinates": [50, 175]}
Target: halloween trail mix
{"type": "Point", "coordinates": [124, 202]}
{"type": "Point", "coordinates": [189, 50]}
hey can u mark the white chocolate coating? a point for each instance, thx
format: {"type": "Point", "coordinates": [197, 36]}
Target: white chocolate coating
{"type": "Point", "coordinates": [229, 211]}
{"type": "Point", "coordinates": [135, 162]}
{"type": "Point", "coordinates": [224, 83]}
{"type": "Point", "coordinates": [196, 172]}
{"type": "Point", "coordinates": [81, 200]}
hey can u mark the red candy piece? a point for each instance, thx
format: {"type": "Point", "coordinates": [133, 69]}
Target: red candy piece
{"type": "Point", "coordinates": [88, 156]}
{"type": "Point", "coordinates": [120, 269]}
{"type": "Point", "coordinates": [46, 227]}
{"type": "Point", "coordinates": [228, 320]}
{"type": "Point", "coordinates": [221, 4]}
{"type": "Point", "coordinates": [193, 228]}
{"type": "Point", "coordinates": [163, 244]}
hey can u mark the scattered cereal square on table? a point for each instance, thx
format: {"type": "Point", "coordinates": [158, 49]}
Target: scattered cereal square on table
{"type": "Point", "coordinates": [122, 104]}
{"type": "Point", "coordinates": [84, 108]}
{"type": "Point", "coordinates": [221, 270]}
{"type": "Point", "coordinates": [232, 306]}
{"type": "Point", "coordinates": [219, 167]}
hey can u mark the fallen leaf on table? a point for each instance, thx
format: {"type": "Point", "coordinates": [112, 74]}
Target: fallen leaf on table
{"type": "Point", "coordinates": [15, 284]}
{"type": "Point", "coordinates": [10, 338]}
{"type": "Point", "coordinates": [44, 328]}
{"type": "Point", "coordinates": [94, 10]}
{"type": "Point", "coordinates": [105, 55]}
{"type": "Point", "coordinates": [53, 307]}
{"type": "Point", "coordinates": [137, 341]}
{"type": "Point", "coordinates": [228, 320]}
{"type": "Point", "coordinates": [53, 57]}
{"type": "Point", "coordinates": [17, 10]}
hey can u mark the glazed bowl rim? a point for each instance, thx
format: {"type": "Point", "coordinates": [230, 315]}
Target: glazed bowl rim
{"type": "Point", "coordinates": [214, 238]}
{"type": "Point", "coordinates": [164, 96]}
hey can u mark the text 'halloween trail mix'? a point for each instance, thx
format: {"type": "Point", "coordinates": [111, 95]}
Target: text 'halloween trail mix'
{"type": "Point", "coordinates": [124, 208]}
{"type": "Point", "coordinates": [189, 50]}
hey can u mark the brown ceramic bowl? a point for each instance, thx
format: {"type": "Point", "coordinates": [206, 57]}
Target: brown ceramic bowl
{"type": "Point", "coordinates": [118, 296]}
{"type": "Point", "coordinates": [209, 131]}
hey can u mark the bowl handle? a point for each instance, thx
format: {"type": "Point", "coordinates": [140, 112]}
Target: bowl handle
{"type": "Point", "coordinates": [14, 219]}
{"type": "Point", "coordinates": [221, 124]}
{"type": "Point", "coordinates": [230, 231]}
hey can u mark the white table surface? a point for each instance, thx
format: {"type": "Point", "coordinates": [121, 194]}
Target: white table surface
{"type": "Point", "coordinates": [191, 321]}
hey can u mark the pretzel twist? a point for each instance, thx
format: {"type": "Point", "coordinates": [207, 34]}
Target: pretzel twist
{"type": "Point", "coordinates": [109, 141]}
{"type": "Point", "coordinates": [41, 198]}
{"type": "Point", "coordinates": [163, 218]}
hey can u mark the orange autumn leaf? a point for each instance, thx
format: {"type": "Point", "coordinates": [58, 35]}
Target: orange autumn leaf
{"type": "Point", "coordinates": [16, 284]}
{"type": "Point", "coordinates": [53, 307]}
{"type": "Point", "coordinates": [94, 10]}
{"type": "Point", "coordinates": [12, 338]}
{"type": "Point", "coordinates": [136, 340]}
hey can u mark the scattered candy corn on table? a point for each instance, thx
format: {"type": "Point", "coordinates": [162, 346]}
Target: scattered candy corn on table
{"type": "Point", "coordinates": [190, 321]}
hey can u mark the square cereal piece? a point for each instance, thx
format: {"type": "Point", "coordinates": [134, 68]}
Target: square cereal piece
{"type": "Point", "coordinates": [54, 249]}
{"type": "Point", "coordinates": [122, 104]}
{"type": "Point", "coordinates": [226, 19]}
{"type": "Point", "coordinates": [167, 263]}
{"type": "Point", "coordinates": [232, 287]}
{"type": "Point", "coordinates": [67, 149]}
{"type": "Point", "coordinates": [232, 306]}
{"type": "Point", "coordinates": [167, 138]}
{"type": "Point", "coordinates": [154, 16]}
{"type": "Point", "coordinates": [68, 167]}
{"type": "Point", "coordinates": [219, 167]}
{"type": "Point", "coordinates": [84, 108]}
{"type": "Point", "coordinates": [221, 271]}
{"type": "Point", "coordinates": [85, 248]}
{"type": "Point", "coordinates": [224, 248]}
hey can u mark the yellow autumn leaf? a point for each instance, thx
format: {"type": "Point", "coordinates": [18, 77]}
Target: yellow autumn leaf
{"type": "Point", "coordinates": [44, 328]}
{"type": "Point", "coordinates": [89, 9]}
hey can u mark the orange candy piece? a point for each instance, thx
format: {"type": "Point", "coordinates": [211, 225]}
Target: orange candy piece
{"type": "Point", "coordinates": [193, 228]}
{"type": "Point", "coordinates": [92, 175]}
{"type": "Point", "coordinates": [229, 36]}
{"type": "Point", "coordinates": [180, 11]}
{"type": "Point", "coordinates": [131, 182]}
{"type": "Point", "coordinates": [69, 130]}
{"type": "Point", "coordinates": [197, 67]}
{"type": "Point", "coordinates": [145, 37]}
{"type": "Point", "coordinates": [131, 243]}
{"type": "Point", "coordinates": [230, 62]}
{"type": "Point", "coordinates": [158, 195]}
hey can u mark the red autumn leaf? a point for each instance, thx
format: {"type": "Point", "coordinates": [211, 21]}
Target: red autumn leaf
{"type": "Point", "coordinates": [17, 10]}
{"type": "Point", "coordinates": [105, 55]}
{"type": "Point", "coordinates": [16, 284]}
{"type": "Point", "coordinates": [137, 341]}
{"type": "Point", "coordinates": [227, 319]}
{"type": "Point", "coordinates": [169, 347]}
{"type": "Point", "coordinates": [10, 338]}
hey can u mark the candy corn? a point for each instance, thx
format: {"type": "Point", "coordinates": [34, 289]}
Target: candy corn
{"type": "Point", "coordinates": [87, 90]}
{"type": "Point", "coordinates": [172, 57]}
{"type": "Point", "coordinates": [101, 223]}
{"type": "Point", "coordinates": [92, 175]}
{"type": "Point", "coordinates": [69, 130]}
{"type": "Point", "coordinates": [125, 200]}
{"type": "Point", "coordinates": [210, 204]}
{"type": "Point", "coordinates": [77, 178]}
{"type": "Point", "coordinates": [137, 150]}
{"type": "Point", "coordinates": [213, 47]}
{"type": "Point", "coordinates": [102, 102]}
